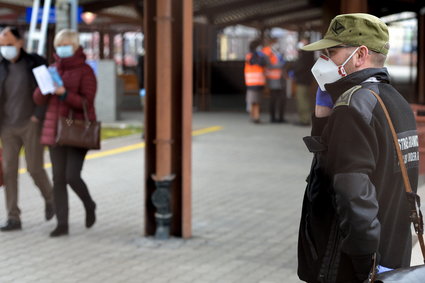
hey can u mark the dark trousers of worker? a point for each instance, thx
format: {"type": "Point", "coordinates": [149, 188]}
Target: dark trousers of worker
{"type": "Point", "coordinates": [13, 139]}
{"type": "Point", "coordinates": [67, 163]}
{"type": "Point", "coordinates": [277, 105]}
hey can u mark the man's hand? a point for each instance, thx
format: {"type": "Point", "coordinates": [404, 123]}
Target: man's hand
{"type": "Point", "coordinates": [34, 119]}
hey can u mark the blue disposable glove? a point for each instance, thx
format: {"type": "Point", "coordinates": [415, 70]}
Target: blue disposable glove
{"type": "Point", "coordinates": [323, 98]}
{"type": "Point", "coordinates": [382, 269]}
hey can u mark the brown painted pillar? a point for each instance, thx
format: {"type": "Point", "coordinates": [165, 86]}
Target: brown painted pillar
{"type": "Point", "coordinates": [163, 85]}
{"type": "Point", "coordinates": [168, 116]}
{"type": "Point", "coordinates": [111, 37]}
{"type": "Point", "coordinates": [149, 27]}
{"type": "Point", "coordinates": [101, 45]}
{"type": "Point", "coordinates": [123, 52]}
{"type": "Point", "coordinates": [350, 6]}
{"type": "Point", "coordinates": [186, 108]}
{"type": "Point", "coordinates": [421, 58]}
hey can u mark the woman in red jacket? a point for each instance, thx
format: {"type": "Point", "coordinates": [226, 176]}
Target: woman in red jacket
{"type": "Point", "coordinates": [79, 85]}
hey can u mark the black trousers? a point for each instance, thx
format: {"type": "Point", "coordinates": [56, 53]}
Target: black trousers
{"type": "Point", "coordinates": [67, 163]}
{"type": "Point", "coordinates": [277, 104]}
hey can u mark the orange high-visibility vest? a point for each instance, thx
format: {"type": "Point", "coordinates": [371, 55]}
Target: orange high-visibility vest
{"type": "Point", "coordinates": [272, 73]}
{"type": "Point", "coordinates": [254, 74]}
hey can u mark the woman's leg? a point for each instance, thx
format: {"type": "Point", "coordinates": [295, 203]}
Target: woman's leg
{"type": "Point", "coordinates": [75, 161]}
{"type": "Point", "coordinates": [60, 194]}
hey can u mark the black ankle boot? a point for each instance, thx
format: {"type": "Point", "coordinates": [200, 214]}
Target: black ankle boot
{"type": "Point", "coordinates": [59, 231]}
{"type": "Point", "coordinates": [91, 215]}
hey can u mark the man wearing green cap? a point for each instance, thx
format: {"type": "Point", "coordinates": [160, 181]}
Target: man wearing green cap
{"type": "Point", "coordinates": [355, 205]}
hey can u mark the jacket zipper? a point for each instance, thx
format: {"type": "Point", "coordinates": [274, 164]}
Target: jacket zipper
{"type": "Point", "coordinates": [326, 277]}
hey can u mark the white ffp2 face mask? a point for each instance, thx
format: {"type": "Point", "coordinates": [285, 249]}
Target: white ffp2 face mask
{"type": "Point", "coordinates": [9, 52]}
{"type": "Point", "coordinates": [325, 71]}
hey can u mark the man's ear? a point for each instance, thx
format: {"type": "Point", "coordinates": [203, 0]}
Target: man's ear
{"type": "Point", "coordinates": [361, 56]}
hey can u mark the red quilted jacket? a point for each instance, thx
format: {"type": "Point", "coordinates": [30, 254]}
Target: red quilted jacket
{"type": "Point", "coordinates": [80, 83]}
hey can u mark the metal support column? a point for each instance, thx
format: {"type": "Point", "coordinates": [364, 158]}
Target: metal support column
{"type": "Point", "coordinates": [168, 117]}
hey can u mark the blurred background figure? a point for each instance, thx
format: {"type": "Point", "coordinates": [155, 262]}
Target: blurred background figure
{"type": "Point", "coordinates": [275, 81]}
{"type": "Point", "coordinates": [255, 79]}
{"type": "Point", "coordinates": [79, 87]}
{"type": "Point", "coordinates": [20, 124]}
{"type": "Point", "coordinates": [304, 79]}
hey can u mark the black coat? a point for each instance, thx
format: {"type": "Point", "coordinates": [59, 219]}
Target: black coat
{"type": "Point", "coordinates": [355, 203]}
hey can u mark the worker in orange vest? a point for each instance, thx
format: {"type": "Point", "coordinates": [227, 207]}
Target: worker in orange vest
{"type": "Point", "coordinates": [255, 79]}
{"type": "Point", "coordinates": [275, 81]}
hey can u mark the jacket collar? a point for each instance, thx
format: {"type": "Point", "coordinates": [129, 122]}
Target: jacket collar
{"type": "Point", "coordinates": [342, 85]}
{"type": "Point", "coordinates": [79, 58]}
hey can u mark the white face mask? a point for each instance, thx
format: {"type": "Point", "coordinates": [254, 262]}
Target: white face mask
{"type": "Point", "coordinates": [325, 71]}
{"type": "Point", "coordinates": [9, 52]}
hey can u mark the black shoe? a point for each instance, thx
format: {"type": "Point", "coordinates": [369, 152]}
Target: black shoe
{"type": "Point", "coordinates": [11, 225]}
{"type": "Point", "coordinates": [60, 230]}
{"type": "Point", "coordinates": [91, 215]}
{"type": "Point", "coordinates": [49, 212]}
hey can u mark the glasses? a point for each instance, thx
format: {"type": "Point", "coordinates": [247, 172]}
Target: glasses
{"type": "Point", "coordinates": [328, 54]}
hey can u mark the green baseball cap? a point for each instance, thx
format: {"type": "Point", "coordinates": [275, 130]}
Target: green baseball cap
{"type": "Point", "coordinates": [354, 29]}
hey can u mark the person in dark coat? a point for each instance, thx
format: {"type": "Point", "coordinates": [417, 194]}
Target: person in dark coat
{"type": "Point", "coordinates": [355, 206]}
{"type": "Point", "coordinates": [79, 86]}
{"type": "Point", "coordinates": [20, 123]}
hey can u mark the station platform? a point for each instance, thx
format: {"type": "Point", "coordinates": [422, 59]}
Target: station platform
{"type": "Point", "coordinates": [248, 184]}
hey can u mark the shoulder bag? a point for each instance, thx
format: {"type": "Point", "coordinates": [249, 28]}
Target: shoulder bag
{"type": "Point", "coordinates": [78, 133]}
{"type": "Point", "coordinates": [413, 274]}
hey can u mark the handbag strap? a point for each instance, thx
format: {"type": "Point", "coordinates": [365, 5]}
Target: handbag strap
{"type": "Point", "coordinates": [86, 116]}
{"type": "Point", "coordinates": [413, 198]}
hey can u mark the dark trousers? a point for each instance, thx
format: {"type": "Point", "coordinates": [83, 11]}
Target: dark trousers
{"type": "Point", "coordinates": [13, 139]}
{"type": "Point", "coordinates": [67, 163]}
{"type": "Point", "coordinates": [277, 104]}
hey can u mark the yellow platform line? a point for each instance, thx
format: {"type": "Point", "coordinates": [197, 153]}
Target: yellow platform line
{"type": "Point", "coordinates": [131, 147]}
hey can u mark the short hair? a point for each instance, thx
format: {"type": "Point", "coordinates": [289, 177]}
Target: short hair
{"type": "Point", "coordinates": [13, 30]}
{"type": "Point", "coordinates": [254, 44]}
{"type": "Point", "coordinates": [67, 34]}
{"type": "Point", "coordinates": [378, 59]}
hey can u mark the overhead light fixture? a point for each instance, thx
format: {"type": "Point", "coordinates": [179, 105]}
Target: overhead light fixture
{"type": "Point", "coordinates": [88, 17]}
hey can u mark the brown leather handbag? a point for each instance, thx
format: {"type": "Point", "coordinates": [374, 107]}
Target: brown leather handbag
{"type": "Point", "coordinates": [78, 133]}
{"type": "Point", "coordinates": [413, 274]}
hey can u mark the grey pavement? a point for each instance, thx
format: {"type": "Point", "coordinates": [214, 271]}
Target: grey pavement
{"type": "Point", "coordinates": [248, 183]}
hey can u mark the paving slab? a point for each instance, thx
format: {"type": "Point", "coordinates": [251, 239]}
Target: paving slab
{"type": "Point", "coordinates": [248, 182]}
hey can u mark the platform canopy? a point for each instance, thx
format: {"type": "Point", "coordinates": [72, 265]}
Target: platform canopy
{"type": "Point", "coordinates": [289, 14]}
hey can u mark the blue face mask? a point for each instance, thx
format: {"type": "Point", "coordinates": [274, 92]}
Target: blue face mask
{"type": "Point", "coordinates": [65, 51]}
